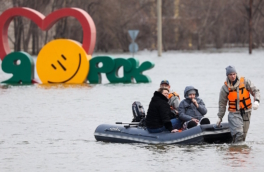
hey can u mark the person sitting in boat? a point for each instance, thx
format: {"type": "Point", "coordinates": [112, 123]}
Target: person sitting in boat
{"type": "Point", "coordinates": [165, 84]}
{"type": "Point", "coordinates": [173, 101]}
{"type": "Point", "coordinates": [192, 109]}
{"type": "Point", "coordinates": [174, 98]}
{"type": "Point", "coordinates": [159, 113]}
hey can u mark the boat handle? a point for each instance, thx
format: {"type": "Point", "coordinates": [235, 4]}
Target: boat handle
{"type": "Point", "coordinates": [218, 127]}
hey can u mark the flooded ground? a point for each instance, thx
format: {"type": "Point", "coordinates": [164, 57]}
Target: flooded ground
{"type": "Point", "coordinates": [50, 128]}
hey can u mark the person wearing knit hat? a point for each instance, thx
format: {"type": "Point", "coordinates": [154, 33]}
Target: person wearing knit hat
{"type": "Point", "coordinates": [230, 69]}
{"type": "Point", "coordinates": [236, 90]}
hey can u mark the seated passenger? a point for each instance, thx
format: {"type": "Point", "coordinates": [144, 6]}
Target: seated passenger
{"type": "Point", "coordinates": [165, 84]}
{"type": "Point", "coordinates": [174, 101]}
{"type": "Point", "coordinates": [192, 109]}
{"type": "Point", "coordinates": [159, 113]}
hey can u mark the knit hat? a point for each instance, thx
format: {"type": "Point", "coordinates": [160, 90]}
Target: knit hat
{"type": "Point", "coordinates": [191, 92]}
{"type": "Point", "coordinates": [230, 69]}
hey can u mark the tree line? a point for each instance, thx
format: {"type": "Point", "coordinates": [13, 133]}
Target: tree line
{"type": "Point", "coordinates": [186, 24]}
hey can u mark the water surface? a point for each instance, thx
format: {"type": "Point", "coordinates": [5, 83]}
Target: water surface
{"type": "Point", "coordinates": [50, 128]}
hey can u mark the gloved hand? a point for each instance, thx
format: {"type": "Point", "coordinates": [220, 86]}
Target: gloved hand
{"type": "Point", "coordinates": [255, 105]}
{"type": "Point", "coordinates": [218, 122]}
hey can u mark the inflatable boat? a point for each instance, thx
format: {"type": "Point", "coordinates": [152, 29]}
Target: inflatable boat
{"type": "Point", "coordinates": [132, 133]}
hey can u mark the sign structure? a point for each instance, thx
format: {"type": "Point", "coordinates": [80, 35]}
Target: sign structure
{"type": "Point", "coordinates": [133, 34]}
{"type": "Point", "coordinates": [64, 60]}
{"type": "Point", "coordinates": [133, 47]}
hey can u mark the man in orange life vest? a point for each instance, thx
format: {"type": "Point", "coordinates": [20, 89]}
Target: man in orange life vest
{"type": "Point", "coordinates": [236, 91]}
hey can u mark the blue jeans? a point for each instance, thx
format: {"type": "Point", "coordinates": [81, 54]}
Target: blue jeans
{"type": "Point", "coordinates": [156, 130]}
{"type": "Point", "coordinates": [176, 124]}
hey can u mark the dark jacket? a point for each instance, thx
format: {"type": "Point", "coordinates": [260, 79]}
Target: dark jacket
{"type": "Point", "coordinates": [159, 112]}
{"type": "Point", "coordinates": [187, 110]}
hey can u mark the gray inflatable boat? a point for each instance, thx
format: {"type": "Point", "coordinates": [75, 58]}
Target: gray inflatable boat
{"type": "Point", "coordinates": [201, 134]}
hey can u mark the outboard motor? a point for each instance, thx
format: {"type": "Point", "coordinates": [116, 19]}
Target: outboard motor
{"type": "Point", "coordinates": [138, 112]}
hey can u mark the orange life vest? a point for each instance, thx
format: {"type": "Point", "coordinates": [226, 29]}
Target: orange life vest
{"type": "Point", "coordinates": [173, 94]}
{"type": "Point", "coordinates": [244, 97]}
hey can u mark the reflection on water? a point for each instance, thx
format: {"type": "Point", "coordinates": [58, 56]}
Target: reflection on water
{"type": "Point", "coordinates": [63, 86]}
{"type": "Point", "coordinates": [236, 155]}
{"type": "Point", "coordinates": [5, 86]}
{"type": "Point", "coordinates": [51, 127]}
{"type": "Point", "coordinates": [157, 148]}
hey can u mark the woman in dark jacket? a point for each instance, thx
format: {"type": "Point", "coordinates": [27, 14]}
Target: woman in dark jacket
{"type": "Point", "coordinates": [192, 109]}
{"type": "Point", "coordinates": [159, 113]}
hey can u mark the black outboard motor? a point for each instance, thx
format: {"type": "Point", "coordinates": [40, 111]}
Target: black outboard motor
{"type": "Point", "coordinates": [138, 112]}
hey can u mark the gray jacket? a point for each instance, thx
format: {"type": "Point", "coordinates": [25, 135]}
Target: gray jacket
{"type": "Point", "coordinates": [187, 110]}
{"type": "Point", "coordinates": [174, 102]}
{"type": "Point", "coordinates": [224, 93]}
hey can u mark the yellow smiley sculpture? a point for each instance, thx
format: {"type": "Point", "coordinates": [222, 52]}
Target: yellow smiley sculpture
{"type": "Point", "coordinates": [63, 61]}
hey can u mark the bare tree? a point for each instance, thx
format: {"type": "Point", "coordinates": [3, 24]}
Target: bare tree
{"type": "Point", "coordinates": [187, 24]}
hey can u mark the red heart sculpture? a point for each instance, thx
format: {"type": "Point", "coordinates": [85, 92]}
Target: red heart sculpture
{"type": "Point", "coordinates": [44, 23]}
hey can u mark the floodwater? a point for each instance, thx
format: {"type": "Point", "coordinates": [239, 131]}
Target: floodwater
{"type": "Point", "coordinates": [50, 128]}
